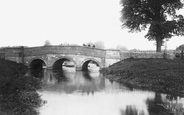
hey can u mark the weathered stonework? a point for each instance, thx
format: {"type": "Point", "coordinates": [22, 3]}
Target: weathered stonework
{"type": "Point", "coordinates": [142, 54]}
{"type": "Point", "coordinates": [78, 54]}
{"type": "Point", "coordinates": [111, 57]}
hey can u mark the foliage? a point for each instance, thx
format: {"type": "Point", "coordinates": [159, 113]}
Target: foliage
{"type": "Point", "coordinates": [121, 48]}
{"type": "Point", "coordinates": [89, 44]}
{"type": "Point", "coordinates": [99, 44]}
{"type": "Point", "coordinates": [134, 50]}
{"type": "Point", "coordinates": [159, 15]}
{"type": "Point", "coordinates": [47, 43]}
{"type": "Point", "coordinates": [18, 94]}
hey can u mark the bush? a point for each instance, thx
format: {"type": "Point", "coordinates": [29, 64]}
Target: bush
{"type": "Point", "coordinates": [18, 94]}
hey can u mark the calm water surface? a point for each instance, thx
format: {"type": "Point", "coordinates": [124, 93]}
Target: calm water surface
{"type": "Point", "coordinates": [71, 92]}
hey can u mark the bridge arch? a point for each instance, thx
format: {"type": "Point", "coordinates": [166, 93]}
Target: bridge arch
{"type": "Point", "coordinates": [85, 63]}
{"type": "Point", "coordinates": [58, 63]}
{"type": "Point", "coordinates": [37, 63]}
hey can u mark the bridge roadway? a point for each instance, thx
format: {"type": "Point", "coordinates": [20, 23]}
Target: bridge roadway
{"type": "Point", "coordinates": [54, 56]}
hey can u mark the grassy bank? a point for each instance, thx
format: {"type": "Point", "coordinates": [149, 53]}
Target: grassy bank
{"type": "Point", "coordinates": [161, 75]}
{"type": "Point", "coordinates": [18, 94]}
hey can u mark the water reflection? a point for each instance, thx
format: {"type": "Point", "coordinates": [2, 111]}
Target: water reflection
{"type": "Point", "coordinates": [71, 81]}
{"type": "Point", "coordinates": [132, 110]}
{"type": "Point", "coordinates": [72, 92]}
{"type": "Point", "coordinates": [166, 104]}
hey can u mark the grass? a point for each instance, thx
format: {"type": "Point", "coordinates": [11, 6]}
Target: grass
{"type": "Point", "coordinates": [160, 75]}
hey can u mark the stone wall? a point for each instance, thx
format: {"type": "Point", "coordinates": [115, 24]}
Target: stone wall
{"type": "Point", "coordinates": [105, 57]}
{"type": "Point", "coordinates": [140, 54]}
{"type": "Point", "coordinates": [73, 50]}
{"type": "Point", "coordinates": [15, 54]}
{"type": "Point", "coordinates": [111, 57]}
{"type": "Point", "coordinates": [112, 54]}
{"type": "Point", "coordinates": [12, 52]}
{"type": "Point", "coordinates": [79, 50]}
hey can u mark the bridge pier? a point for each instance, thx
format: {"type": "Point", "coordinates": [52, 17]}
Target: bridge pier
{"type": "Point", "coordinates": [49, 67]}
{"type": "Point", "coordinates": [50, 55]}
{"type": "Point", "coordinates": [78, 68]}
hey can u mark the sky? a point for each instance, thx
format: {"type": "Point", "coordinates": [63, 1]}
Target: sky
{"type": "Point", "coordinates": [32, 22]}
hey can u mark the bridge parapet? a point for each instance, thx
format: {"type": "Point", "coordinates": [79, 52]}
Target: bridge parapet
{"type": "Point", "coordinates": [14, 54]}
{"type": "Point", "coordinates": [72, 50]}
{"type": "Point", "coordinates": [78, 54]}
{"type": "Point", "coordinates": [140, 54]}
{"type": "Point", "coordinates": [112, 56]}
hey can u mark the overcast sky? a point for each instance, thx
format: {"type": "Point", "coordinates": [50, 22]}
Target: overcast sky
{"type": "Point", "coordinates": [31, 22]}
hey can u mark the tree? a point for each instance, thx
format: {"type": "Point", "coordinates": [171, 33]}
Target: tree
{"type": "Point", "coordinates": [134, 50]}
{"type": "Point", "coordinates": [99, 44]}
{"type": "Point", "coordinates": [47, 43]}
{"type": "Point", "coordinates": [121, 48]}
{"type": "Point", "coordinates": [89, 44]}
{"type": "Point", "coordinates": [159, 16]}
{"type": "Point", "coordinates": [65, 44]}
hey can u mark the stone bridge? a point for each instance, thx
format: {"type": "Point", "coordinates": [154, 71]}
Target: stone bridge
{"type": "Point", "coordinates": [54, 56]}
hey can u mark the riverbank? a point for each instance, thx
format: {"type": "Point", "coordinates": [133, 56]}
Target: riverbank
{"type": "Point", "coordinates": [160, 75]}
{"type": "Point", "coordinates": [18, 94]}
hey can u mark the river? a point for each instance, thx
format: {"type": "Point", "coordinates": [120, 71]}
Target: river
{"type": "Point", "coordinates": [70, 92]}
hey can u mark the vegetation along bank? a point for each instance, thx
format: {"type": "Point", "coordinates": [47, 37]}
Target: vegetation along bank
{"type": "Point", "coordinates": [160, 75]}
{"type": "Point", "coordinates": [18, 94]}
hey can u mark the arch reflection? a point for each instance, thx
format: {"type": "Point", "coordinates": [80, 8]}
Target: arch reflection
{"type": "Point", "coordinates": [70, 81]}
{"type": "Point", "coordinates": [63, 62]}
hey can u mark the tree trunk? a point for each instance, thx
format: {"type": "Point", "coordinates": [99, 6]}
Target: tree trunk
{"type": "Point", "coordinates": [159, 44]}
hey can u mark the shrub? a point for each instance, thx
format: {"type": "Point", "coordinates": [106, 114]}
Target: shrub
{"type": "Point", "coordinates": [18, 93]}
